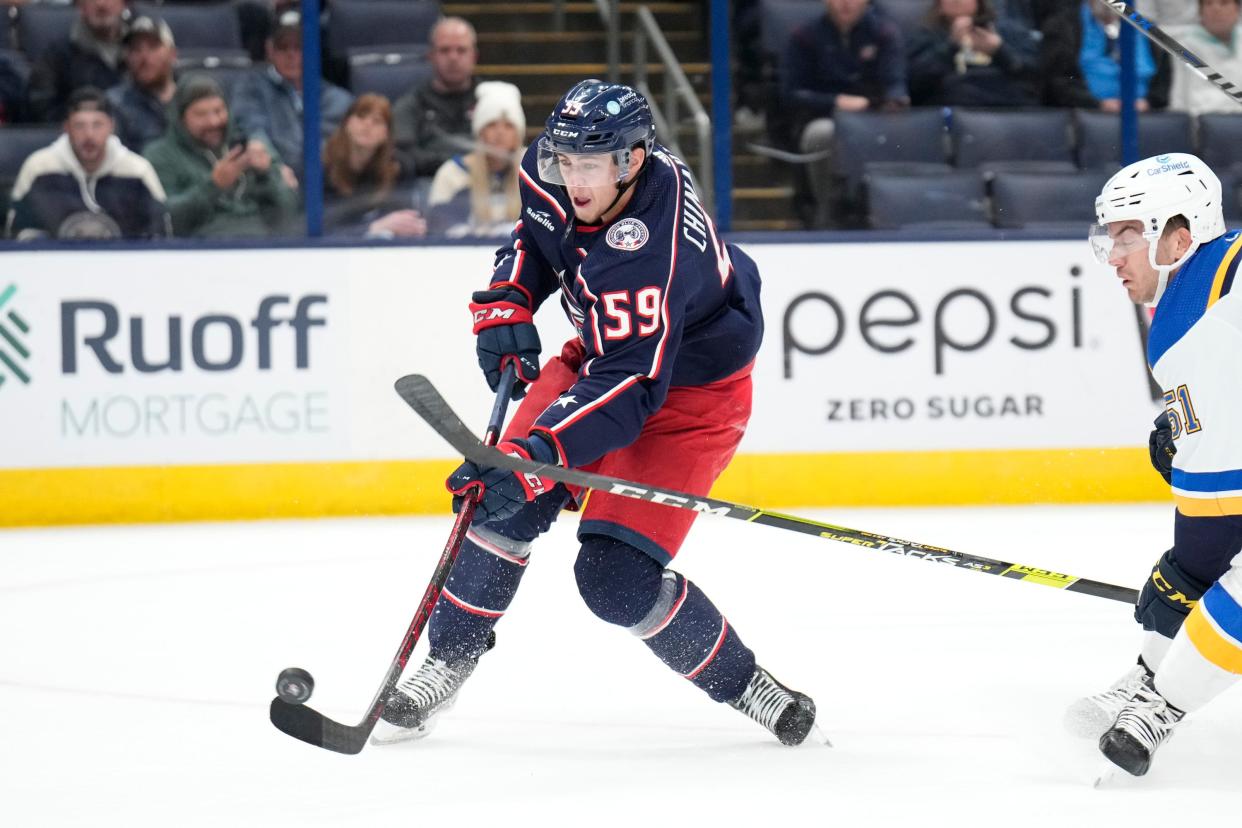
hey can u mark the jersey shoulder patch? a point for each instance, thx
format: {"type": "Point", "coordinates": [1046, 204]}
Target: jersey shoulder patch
{"type": "Point", "coordinates": [628, 234]}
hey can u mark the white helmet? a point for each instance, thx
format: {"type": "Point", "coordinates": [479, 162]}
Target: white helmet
{"type": "Point", "coordinates": [1153, 191]}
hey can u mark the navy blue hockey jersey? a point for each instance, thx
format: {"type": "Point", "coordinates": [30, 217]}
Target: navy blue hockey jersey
{"type": "Point", "coordinates": [656, 298]}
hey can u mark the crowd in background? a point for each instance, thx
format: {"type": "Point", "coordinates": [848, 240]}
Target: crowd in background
{"type": "Point", "coordinates": [141, 133]}
{"type": "Point", "coordinates": [146, 149]}
{"type": "Point", "coordinates": [887, 55]}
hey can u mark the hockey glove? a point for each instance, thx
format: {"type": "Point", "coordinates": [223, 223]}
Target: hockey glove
{"type": "Point", "coordinates": [502, 492]}
{"type": "Point", "coordinates": [1160, 447]}
{"type": "Point", "coordinates": [506, 333]}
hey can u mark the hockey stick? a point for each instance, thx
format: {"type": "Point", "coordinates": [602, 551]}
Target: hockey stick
{"type": "Point", "coordinates": [422, 396]}
{"type": "Point", "coordinates": [1159, 37]}
{"type": "Point", "coordinates": [311, 726]}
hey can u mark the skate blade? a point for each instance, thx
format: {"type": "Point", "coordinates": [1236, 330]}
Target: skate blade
{"type": "Point", "coordinates": [818, 736]}
{"type": "Point", "coordinates": [387, 734]}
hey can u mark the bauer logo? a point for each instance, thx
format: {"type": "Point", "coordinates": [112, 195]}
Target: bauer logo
{"type": "Point", "coordinates": [276, 334]}
{"type": "Point", "coordinates": [14, 340]}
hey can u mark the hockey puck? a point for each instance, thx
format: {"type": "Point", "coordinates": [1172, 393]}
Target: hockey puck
{"type": "Point", "coordinates": [294, 685]}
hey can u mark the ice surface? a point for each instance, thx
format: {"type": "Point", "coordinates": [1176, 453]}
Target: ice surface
{"type": "Point", "coordinates": [136, 666]}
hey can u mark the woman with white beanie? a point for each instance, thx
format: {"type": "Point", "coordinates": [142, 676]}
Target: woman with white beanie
{"type": "Point", "coordinates": [477, 194]}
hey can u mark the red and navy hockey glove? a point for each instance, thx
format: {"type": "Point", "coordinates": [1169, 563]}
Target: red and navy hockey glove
{"type": "Point", "coordinates": [503, 493]}
{"type": "Point", "coordinates": [506, 333]}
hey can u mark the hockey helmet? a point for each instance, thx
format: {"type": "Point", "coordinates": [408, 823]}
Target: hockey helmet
{"type": "Point", "coordinates": [1152, 191]}
{"type": "Point", "coordinates": [594, 119]}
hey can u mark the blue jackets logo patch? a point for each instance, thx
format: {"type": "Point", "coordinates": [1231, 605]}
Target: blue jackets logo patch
{"type": "Point", "coordinates": [627, 234]}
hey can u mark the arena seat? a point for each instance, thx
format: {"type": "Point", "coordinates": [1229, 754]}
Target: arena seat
{"type": "Point", "coordinates": [980, 136]}
{"type": "Point", "coordinates": [388, 75]}
{"type": "Point", "coordinates": [1220, 140]}
{"type": "Point", "coordinates": [39, 25]}
{"type": "Point", "coordinates": [17, 142]}
{"type": "Point", "coordinates": [209, 26]}
{"type": "Point", "coordinates": [948, 200]}
{"type": "Point", "coordinates": [1039, 200]}
{"type": "Point", "coordinates": [381, 26]}
{"type": "Point", "coordinates": [1099, 136]}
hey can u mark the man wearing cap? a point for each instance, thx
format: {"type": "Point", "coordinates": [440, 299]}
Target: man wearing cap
{"type": "Point", "coordinates": [268, 102]}
{"type": "Point", "coordinates": [86, 184]}
{"type": "Point", "coordinates": [140, 101]}
{"type": "Point", "coordinates": [217, 188]}
{"type": "Point", "coordinates": [89, 55]}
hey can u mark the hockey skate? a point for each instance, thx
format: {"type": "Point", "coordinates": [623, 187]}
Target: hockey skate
{"type": "Point", "coordinates": [787, 714]}
{"type": "Point", "coordinates": [1144, 724]}
{"type": "Point", "coordinates": [418, 700]}
{"type": "Point", "coordinates": [1090, 716]}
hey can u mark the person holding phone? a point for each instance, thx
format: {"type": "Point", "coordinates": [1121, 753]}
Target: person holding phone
{"type": "Point", "coordinates": [218, 187]}
{"type": "Point", "coordinates": [965, 54]}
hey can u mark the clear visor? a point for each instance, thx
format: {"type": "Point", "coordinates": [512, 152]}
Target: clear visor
{"type": "Point", "coordinates": [1108, 247]}
{"type": "Point", "coordinates": [568, 169]}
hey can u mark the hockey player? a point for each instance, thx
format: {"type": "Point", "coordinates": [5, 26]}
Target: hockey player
{"type": "Point", "coordinates": [655, 387]}
{"type": "Point", "coordinates": [1162, 228]}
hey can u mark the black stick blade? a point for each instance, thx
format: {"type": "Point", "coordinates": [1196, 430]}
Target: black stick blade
{"type": "Point", "coordinates": [314, 728]}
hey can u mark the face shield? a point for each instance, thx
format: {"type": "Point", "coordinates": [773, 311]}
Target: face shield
{"type": "Point", "coordinates": [570, 169]}
{"type": "Point", "coordinates": [1108, 247]}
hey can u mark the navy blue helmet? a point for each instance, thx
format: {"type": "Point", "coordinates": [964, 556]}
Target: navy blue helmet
{"type": "Point", "coordinates": [594, 118]}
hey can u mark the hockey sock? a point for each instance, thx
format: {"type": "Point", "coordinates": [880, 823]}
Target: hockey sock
{"type": "Point", "coordinates": [485, 578]}
{"type": "Point", "coordinates": [1205, 657]}
{"type": "Point", "coordinates": [625, 586]}
{"type": "Point", "coordinates": [686, 631]}
{"type": "Point", "coordinates": [1155, 646]}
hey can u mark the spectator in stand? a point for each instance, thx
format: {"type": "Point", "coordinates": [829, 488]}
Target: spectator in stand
{"type": "Point", "coordinates": [12, 89]}
{"type": "Point", "coordinates": [1059, 24]}
{"type": "Point", "coordinates": [1216, 38]}
{"type": "Point", "coordinates": [850, 59]}
{"type": "Point", "coordinates": [89, 55]}
{"type": "Point", "coordinates": [87, 184]}
{"type": "Point", "coordinates": [432, 121]}
{"type": "Point", "coordinates": [1101, 58]}
{"type": "Point", "coordinates": [476, 194]}
{"type": "Point", "coordinates": [140, 101]}
{"type": "Point", "coordinates": [360, 176]}
{"type": "Point", "coordinates": [965, 55]}
{"type": "Point", "coordinates": [1169, 12]}
{"type": "Point", "coordinates": [267, 104]}
{"type": "Point", "coordinates": [218, 188]}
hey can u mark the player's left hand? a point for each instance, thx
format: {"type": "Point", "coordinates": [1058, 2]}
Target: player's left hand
{"type": "Point", "coordinates": [1161, 448]}
{"type": "Point", "coordinates": [500, 492]}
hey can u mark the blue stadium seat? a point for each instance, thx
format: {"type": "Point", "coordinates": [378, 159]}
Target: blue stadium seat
{"type": "Point", "coordinates": [211, 26]}
{"type": "Point", "coordinates": [226, 70]}
{"type": "Point", "coordinates": [381, 26]}
{"type": "Point", "coordinates": [1037, 200]}
{"type": "Point", "coordinates": [388, 75]}
{"type": "Point", "coordinates": [981, 136]}
{"type": "Point", "coordinates": [39, 25]}
{"type": "Point", "coordinates": [949, 200]}
{"type": "Point", "coordinates": [778, 19]}
{"type": "Point", "coordinates": [1099, 136]}
{"type": "Point", "coordinates": [17, 142]}
{"type": "Point", "coordinates": [916, 135]}
{"type": "Point", "coordinates": [1220, 140]}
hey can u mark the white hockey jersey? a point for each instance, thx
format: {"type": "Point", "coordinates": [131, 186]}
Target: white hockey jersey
{"type": "Point", "coordinates": [1195, 353]}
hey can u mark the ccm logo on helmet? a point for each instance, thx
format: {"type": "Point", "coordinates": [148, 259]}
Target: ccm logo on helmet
{"type": "Point", "coordinates": [565, 133]}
